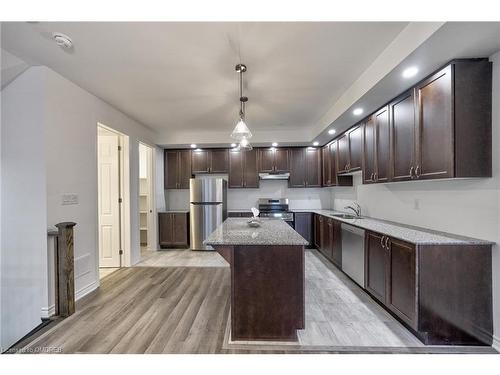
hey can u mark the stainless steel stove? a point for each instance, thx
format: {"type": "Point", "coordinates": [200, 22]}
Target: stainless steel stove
{"type": "Point", "coordinates": [275, 208]}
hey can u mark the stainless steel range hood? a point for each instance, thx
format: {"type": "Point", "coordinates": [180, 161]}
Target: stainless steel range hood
{"type": "Point", "coordinates": [274, 176]}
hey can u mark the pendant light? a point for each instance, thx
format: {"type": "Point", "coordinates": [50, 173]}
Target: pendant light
{"type": "Point", "coordinates": [241, 132]}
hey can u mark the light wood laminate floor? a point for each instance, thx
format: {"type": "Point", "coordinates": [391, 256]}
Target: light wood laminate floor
{"type": "Point", "coordinates": [171, 303]}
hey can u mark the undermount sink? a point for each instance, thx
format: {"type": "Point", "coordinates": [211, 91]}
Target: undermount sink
{"type": "Point", "coordinates": [346, 216]}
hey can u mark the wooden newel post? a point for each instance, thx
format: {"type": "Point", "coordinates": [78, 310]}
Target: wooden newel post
{"type": "Point", "coordinates": [65, 296]}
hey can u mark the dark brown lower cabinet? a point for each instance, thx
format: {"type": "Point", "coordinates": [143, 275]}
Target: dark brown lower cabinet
{"type": "Point", "coordinates": [376, 266]}
{"type": "Point", "coordinates": [173, 229]}
{"type": "Point", "coordinates": [443, 293]}
{"type": "Point", "coordinates": [304, 225]}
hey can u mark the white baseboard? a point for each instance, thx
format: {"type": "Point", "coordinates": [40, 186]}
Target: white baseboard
{"type": "Point", "coordinates": [86, 290]}
{"type": "Point", "coordinates": [496, 343]}
{"type": "Point", "coordinates": [47, 312]}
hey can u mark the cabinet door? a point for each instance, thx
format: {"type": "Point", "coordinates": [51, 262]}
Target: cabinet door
{"type": "Point", "coordinates": [219, 161]}
{"type": "Point", "coordinates": [333, 163]}
{"type": "Point", "coordinates": [402, 123]}
{"type": "Point", "coordinates": [304, 225]}
{"type": "Point", "coordinates": [171, 167]}
{"type": "Point", "coordinates": [343, 154]}
{"type": "Point", "coordinates": [369, 151]}
{"type": "Point", "coordinates": [336, 243]}
{"type": "Point", "coordinates": [382, 145]}
{"type": "Point", "coordinates": [266, 160]}
{"type": "Point", "coordinates": [179, 230]}
{"type": "Point", "coordinates": [200, 161]}
{"type": "Point", "coordinates": [313, 167]}
{"type": "Point", "coordinates": [184, 173]}
{"type": "Point", "coordinates": [235, 169]}
{"type": "Point", "coordinates": [376, 266]}
{"type": "Point", "coordinates": [281, 160]}
{"type": "Point", "coordinates": [402, 289]}
{"type": "Point", "coordinates": [165, 229]}
{"type": "Point", "coordinates": [328, 238]}
{"type": "Point", "coordinates": [297, 168]}
{"type": "Point", "coordinates": [250, 173]}
{"type": "Point", "coordinates": [355, 148]}
{"type": "Point", "coordinates": [435, 126]}
{"type": "Point", "coordinates": [327, 165]}
{"type": "Point", "coordinates": [317, 231]}
{"type": "Point", "coordinates": [322, 234]}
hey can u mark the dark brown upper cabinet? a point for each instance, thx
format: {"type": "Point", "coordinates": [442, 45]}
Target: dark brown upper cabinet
{"type": "Point", "coordinates": [442, 127]}
{"type": "Point", "coordinates": [369, 151]}
{"type": "Point", "coordinates": [326, 156]}
{"type": "Point", "coordinates": [402, 123]}
{"type": "Point", "coordinates": [350, 149]}
{"type": "Point", "coordinates": [209, 161]}
{"type": "Point", "coordinates": [376, 147]}
{"type": "Point", "coordinates": [243, 169]}
{"type": "Point", "coordinates": [177, 169]}
{"type": "Point", "coordinates": [305, 167]}
{"type": "Point", "coordinates": [273, 160]}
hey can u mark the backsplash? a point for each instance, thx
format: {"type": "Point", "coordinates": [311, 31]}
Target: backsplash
{"type": "Point", "coordinates": [244, 199]}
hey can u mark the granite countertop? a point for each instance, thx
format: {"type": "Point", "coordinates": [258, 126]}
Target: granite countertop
{"type": "Point", "coordinates": [408, 233]}
{"type": "Point", "coordinates": [236, 231]}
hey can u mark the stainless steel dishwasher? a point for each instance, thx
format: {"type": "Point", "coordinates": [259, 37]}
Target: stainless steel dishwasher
{"type": "Point", "coordinates": [353, 253]}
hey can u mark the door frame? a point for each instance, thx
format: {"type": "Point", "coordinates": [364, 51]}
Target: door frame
{"type": "Point", "coordinates": [152, 222]}
{"type": "Point", "coordinates": [124, 172]}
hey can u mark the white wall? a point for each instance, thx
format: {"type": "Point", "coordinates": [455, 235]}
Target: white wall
{"type": "Point", "coordinates": [24, 205]}
{"type": "Point", "coordinates": [49, 148]}
{"type": "Point", "coordinates": [466, 207]}
{"type": "Point", "coordinates": [72, 117]}
{"type": "Point", "coordinates": [244, 199]}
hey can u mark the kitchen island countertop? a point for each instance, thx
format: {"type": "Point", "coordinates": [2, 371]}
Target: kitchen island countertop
{"type": "Point", "coordinates": [236, 231]}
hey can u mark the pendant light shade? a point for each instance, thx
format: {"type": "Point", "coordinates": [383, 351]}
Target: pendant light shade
{"type": "Point", "coordinates": [244, 145]}
{"type": "Point", "coordinates": [241, 131]}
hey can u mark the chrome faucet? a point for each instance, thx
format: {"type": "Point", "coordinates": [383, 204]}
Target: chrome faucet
{"type": "Point", "coordinates": [356, 209]}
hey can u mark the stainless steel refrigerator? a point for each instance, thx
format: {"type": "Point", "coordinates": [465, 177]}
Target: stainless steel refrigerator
{"type": "Point", "coordinates": [207, 208]}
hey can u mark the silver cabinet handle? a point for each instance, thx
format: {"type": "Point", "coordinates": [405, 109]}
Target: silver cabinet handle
{"type": "Point", "coordinates": [417, 171]}
{"type": "Point", "coordinates": [387, 243]}
{"type": "Point", "coordinates": [375, 177]}
{"type": "Point", "coordinates": [382, 241]}
{"type": "Point", "coordinates": [411, 172]}
{"type": "Point", "coordinates": [372, 176]}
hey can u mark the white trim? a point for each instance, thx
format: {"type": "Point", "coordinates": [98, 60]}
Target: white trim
{"type": "Point", "coordinates": [47, 312]}
{"type": "Point", "coordinates": [86, 290]}
{"type": "Point", "coordinates": [496, 343]}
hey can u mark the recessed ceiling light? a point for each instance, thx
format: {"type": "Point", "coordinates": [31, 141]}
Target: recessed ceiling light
{"type": "Point", "coordinates": [316, 143]}
{"type": "Point", "coordinates": [357, 111]}
{"type": "Point", "coordinates": [275, 144]}
{"type": "Point", "coordinates": [410, 72]}
{"type": "Point", "coordinates": [331, 131]}
{"type": "Point", "coordinates": [62, 40]}
{"type": "Point", "coordinates": [193, 145]}
{"type": "Point", "coordinates": [233, 144]}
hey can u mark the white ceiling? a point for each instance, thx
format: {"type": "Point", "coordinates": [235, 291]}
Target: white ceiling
{"type": "Point", "coordinates": [179, 77]}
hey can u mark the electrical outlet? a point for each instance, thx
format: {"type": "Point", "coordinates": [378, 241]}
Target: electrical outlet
{"type": "Point", "coordinates": [68, 199]}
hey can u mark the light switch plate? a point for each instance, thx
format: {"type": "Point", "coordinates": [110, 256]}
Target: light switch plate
{"type": "Point", "coordinates": [68, 199]}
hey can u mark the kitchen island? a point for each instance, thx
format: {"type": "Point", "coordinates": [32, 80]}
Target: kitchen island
{"type": "Point", "coordinates": [267, 278]}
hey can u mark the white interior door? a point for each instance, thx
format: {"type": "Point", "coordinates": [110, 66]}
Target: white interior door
{"type": "Point", "coordinates": [108, 195]}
